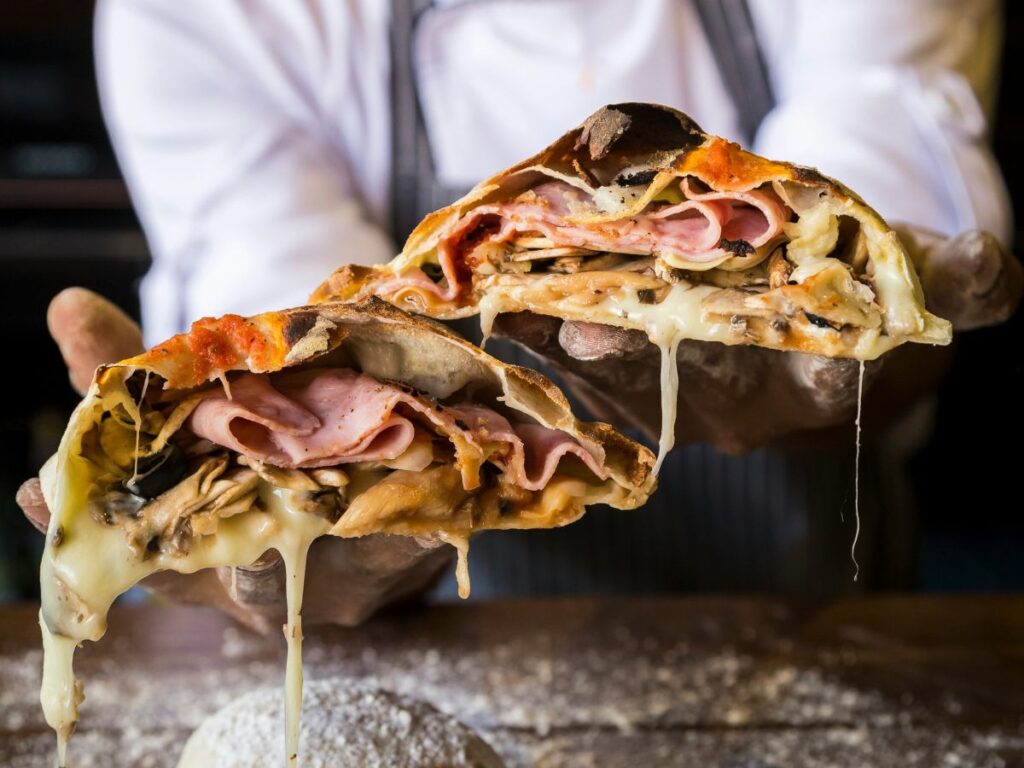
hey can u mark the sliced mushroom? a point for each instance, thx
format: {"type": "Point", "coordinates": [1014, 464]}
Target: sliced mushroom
{"type": "Point", "coordinates": [279, 477]}
{"type": "Point", "coordinates": [604, 261]}
{"type": "Point", "coordinates": [192, 508]}
{"type": "Point", "coordinates": [750, 279]}
{"type": "Point", "coordinates": [544, 254]}
{"type": "Point", "coordinates": [329, 477]}
{"type": "Point", "coordinates": [779, 269]}
{"type": "Point", "coordinates": [856, 253]}
{"type": "Point", "coordinates": [566, 264]}
{"type": "Point", "coordinates": [730, 302]}
{"type": "Point", "coordinates": [635, 265]}
{"type": "Point", "coordinates": [523, 243]}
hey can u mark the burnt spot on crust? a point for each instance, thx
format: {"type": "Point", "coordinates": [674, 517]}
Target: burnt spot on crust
{"type": "Point", "coordinates": [810, 176]}
{"type": "Point", "coordinates": [633, 127]}
{"type": "Point", "coordinates": [298, 325]}
{"type": "Point", "coordinates": [819, 321]}
{"type": "Point", "coordinates": [601, 130]}
{"type": "Point", "coordinates": [736, 247]}
{"type": "Point", "coordinates": [635, 179]}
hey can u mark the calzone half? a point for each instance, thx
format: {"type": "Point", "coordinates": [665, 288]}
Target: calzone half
{"type": "Point", "coordinates": [251, 434]}
{"type": "Point", "coordinates": [639, 219]}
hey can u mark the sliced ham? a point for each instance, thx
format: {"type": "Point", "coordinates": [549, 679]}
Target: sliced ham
{"type": "Point", "coordinates": [325, 417]}
{"type": "Point", "coordinates": [528, 454]}
{"type": "Point", "coordinates": [754, 216]}
{"type": "Point", "coordinates": [315, 418]}
{"type": "Point", "coordinates": [691, 231]}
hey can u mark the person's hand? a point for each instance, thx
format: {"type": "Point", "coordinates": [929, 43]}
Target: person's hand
{"type": "Point", "coordinates": [349, 578]}
{"type": "Point", "coordinates": [739, 398]}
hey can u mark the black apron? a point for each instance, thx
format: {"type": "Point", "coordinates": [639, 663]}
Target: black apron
{"type": "Point", "coordinates": [768, 521]}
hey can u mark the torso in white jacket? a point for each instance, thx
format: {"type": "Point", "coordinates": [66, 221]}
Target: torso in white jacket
{"type": "Point", "coordinates": [255, 134]}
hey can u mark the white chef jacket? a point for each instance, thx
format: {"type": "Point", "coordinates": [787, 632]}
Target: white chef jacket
{"type": "Point", "coordinates": [255, 134]}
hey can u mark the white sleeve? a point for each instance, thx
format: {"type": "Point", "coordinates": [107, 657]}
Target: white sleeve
{"type": "Point", "coordinates": [246, 201]}
{"type": "Point", "coordinates": [892, 97]}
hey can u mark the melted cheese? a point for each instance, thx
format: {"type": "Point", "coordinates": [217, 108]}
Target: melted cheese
{"type": "Point", "coordinates": [61, 694]}
{"type": "Point", "coordinates": [298, 531]}
{"type": "Point", "coordinates": [856, 475]}
{"type": "Point", "coordinates": [89, 564]}
{"type": "Point", "coordinates": [592, 298]}
{"type": "Point", "coordinates": [461, 543]}
{"type": "Point", "coordinates": [813, 236]}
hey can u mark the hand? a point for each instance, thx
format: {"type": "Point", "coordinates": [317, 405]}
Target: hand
{"type": "Point", "coordinates": [368, 573]}
{"type": "Point", "coordinates": [739, 398]}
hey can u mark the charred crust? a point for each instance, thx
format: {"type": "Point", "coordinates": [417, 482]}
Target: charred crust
{"type": "Point", "coordinates": [819, 321]}
{"type": "Point", "coordinates": [809, 176]}
{"type": "Point", "coordinates": [601, 131]}
{"type": "Point", "coordinates": [298, 325]}
{"type": "Point", "coordinates": [635, 127]}
{"type": "Point", "coordinates": [736, 247]}
{"type": "Point", "coordinates": [635, 179]}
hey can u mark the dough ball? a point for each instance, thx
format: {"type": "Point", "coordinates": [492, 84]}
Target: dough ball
{"type": "Point", "coordinates": [343, 724]}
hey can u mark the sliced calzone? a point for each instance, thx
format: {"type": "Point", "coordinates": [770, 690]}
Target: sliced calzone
{"type": "Point", "coordinates": [246, 435]}
{"type": "Point", "coordinates": [639, 219]}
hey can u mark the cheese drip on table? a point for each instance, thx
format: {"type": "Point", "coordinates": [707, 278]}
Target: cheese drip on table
{"type": "Point", "coordinates": [297, 534]}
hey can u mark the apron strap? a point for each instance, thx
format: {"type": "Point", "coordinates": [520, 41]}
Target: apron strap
{"type": "Point", "coordinates": [415, 189]}
{"type": "Point", "coordinates": [729, 28]}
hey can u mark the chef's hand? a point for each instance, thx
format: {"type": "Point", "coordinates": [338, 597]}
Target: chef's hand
{"type": "Point", "coordinates": [349, 578]}
{"type": "Point", "coordinates": [739, 398]}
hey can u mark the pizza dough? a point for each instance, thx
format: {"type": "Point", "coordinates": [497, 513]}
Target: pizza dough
{"type": "Point", "coordinates": [343, 724]}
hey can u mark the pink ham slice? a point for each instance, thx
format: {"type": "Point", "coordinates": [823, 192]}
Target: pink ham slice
{"type": "Point", "coordinates": [320, 418]}
{"type": "Point", "coordinates": [314, 418]}
{"type": "Point", "coordinates": [691, 230]}
{"type": "Point", "coordinates": [533, 451]}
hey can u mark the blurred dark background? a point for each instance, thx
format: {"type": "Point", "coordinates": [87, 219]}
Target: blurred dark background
{"type": "Point", "coordinates": [65, 219]}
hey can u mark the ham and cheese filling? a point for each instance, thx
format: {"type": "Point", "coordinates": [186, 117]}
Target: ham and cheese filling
{"type": "Point", "coordinates": [545, 229]}
{"type": "Point", "coordinates": [336, 417]}
{"type": "Point", "coordinates": [327, 435]}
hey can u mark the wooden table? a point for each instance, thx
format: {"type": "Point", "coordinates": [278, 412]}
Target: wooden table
{"type": "Point", "coordinates": [723, 683]}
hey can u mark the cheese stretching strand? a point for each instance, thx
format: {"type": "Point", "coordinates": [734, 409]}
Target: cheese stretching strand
{"type": "Point", "coordinates": [250, 435]}
{"type": "Point", "coordinates": [638, 219]}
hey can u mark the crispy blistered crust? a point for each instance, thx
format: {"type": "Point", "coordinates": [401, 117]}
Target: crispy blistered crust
{"type": "Point", "coordinates": [649, 146]}
{"type": "Point", "coordinates": [385, 342]}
